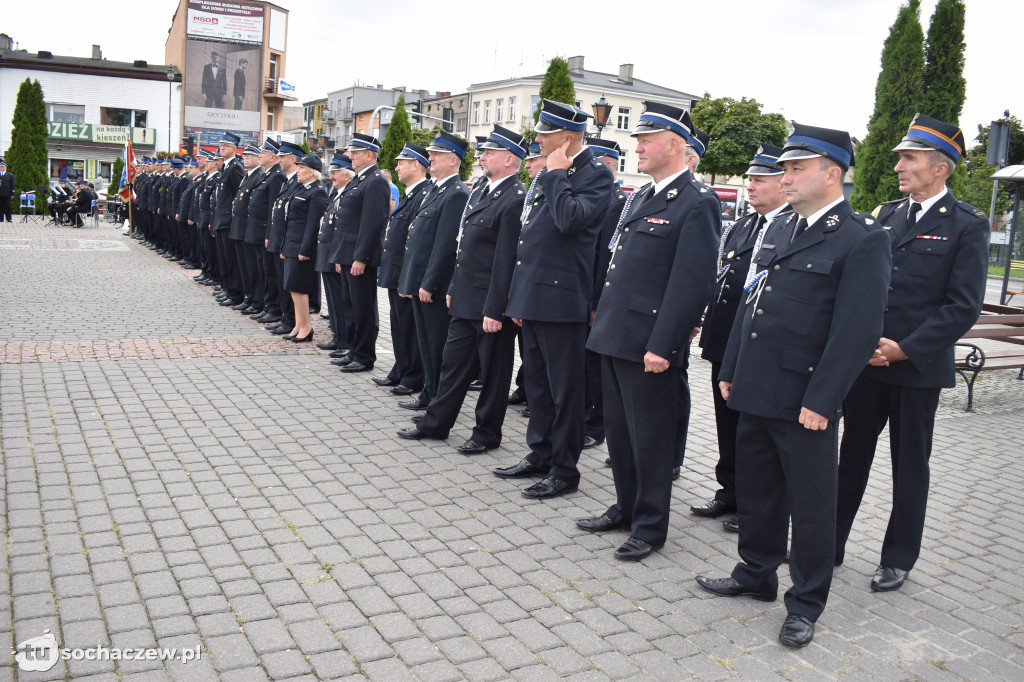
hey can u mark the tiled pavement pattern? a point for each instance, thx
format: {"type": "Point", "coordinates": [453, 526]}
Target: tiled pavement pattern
{"type": "Point", "coordinates": [158, 492]}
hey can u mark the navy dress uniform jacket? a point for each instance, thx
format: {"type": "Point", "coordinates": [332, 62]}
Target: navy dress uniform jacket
{"type": "Point", "coordinates": [303, 211]}
{"type": "Point", "coordinates": [430, 246]}
{"type": "Point", "coordinates": [278, 217]}
{"type": "Point", "coordinates": [939, 271]}
{"type": "Point", "coordinates": [230, 178]}
{"type": "Point", "coordinates": [328, 225]}
{"type": "Point", "coordinates": [261, 199]}
{"type": "Point", "coordinates": [396, 235]}
{"type": "Point", "coordinates": [658, 287]}
{"type": "Point", "coordinates": [603, 254]}
{"type": "Point", "coordinates": [240, 205]}
{"type": "Point", "coordinates": [554, 273]}
{"type": "Point", "coordinates": [362, 214]}
{"type": "Point", "coordinates": [187, 202]}
{"type": "Point", "coordinates": [817, 321]}
{"type": "Point", "coordinates": [487, 252]}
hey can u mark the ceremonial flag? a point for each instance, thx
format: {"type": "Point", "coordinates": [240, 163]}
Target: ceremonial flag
{"type": "Point", "coordinates": [128, 172]}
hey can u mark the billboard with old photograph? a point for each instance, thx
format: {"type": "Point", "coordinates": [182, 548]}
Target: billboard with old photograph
{"type": "Point", "coordinates": [222, 65]}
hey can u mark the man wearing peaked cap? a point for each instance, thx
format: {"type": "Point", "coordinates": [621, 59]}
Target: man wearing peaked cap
{"type": "Point", "coordinates": [361, 217]}
{"type": "Point", "coordinates": [661, 274]}
{"type": "Point", "coordinates": [940, 261]}
{"type": "Point", "coordinates": [738, 243]}
{"type": "Point", "coordinates": [245, 255]}
{"type": "Point", "coordinates": [231, 175]}
{"type": "Point", "coordinates": [406, 374]}
{"type": "Point", "coordinates": [550, 296]}
{"type": "Point", "coordinates": [288, 155]}
{"type": "Point", "coordinates": [479, 334]}
{"type": "Point", "coordinates": [339, 318]}
{"type": "Point", "coordinates": [608, 152]}
{"type": "Point", "coordinates": [430, 258]}
{"type": "Point", "coordinates": [261, 201]}
{"type": "Point", "coordinates": [808, 325]}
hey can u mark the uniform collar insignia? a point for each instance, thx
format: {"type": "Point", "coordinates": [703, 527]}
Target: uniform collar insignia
{"type": "Point", "coordinates": [942, 209]}
{"type": "Point", "coordinates": [671, 194]}
{"type": "Point", "coordinates": [572, 169]}
{"type": "Point", "coordinates": [832, 220]}
{"type": "Point", "coordinates": [869, 221]}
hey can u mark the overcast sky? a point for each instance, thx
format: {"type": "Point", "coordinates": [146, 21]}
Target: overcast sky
{"type": "Point", "coordinates": [814, 61]}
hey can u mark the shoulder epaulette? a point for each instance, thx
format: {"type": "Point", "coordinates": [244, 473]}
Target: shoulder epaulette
{"type": "Point", "coordinates": [865, 219]}
{"type": "Point", "coordinates": [970, 208]}
{"type": "Point", "coordinates": [878, 209]}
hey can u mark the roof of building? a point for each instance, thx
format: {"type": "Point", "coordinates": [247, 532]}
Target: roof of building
{"type": "Point", "coordinates": [596, 80]}
{"type": "Point", "coordinates": [47, 61]}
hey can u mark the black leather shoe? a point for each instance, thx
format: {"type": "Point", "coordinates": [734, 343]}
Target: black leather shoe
{"type": "Point", "coordinates": [521, 470]}
{"type": "Point", "coordinates": [354, 367]}
{"type": "Point", "coordinates": [549, 487]}
{"type": "Point", "coordinates": [341, 362]}
{"type": "Point", "coordinates": [402, 390]}
{"type": "Point", "coordinates": [241, 306]}
{"type": "Point", "coordinates": [712, 509]}
{"type": "Point", "coordinates": [796, 631]}
{"type": "Point", "coordinates": [728, 587]}
{"type": "Point", "coordinates": [342, 353]}
{"type": "Point", "coordinates": [251, 310]}
{"type": "Point", "coordinates": [231, 302]}
{"type": "Point", "coordinates": [516, 397]}
{"type": "Point", "coordinates": [591, 442]}
{"type": "Point", "coordinates": [471, 447]}
{"type": "Point", "coordinates": [415, 419]}
{"type": "Point", "coordinates": [271, 319]}
{"type": "Point", "coordinates": [888, 579]}
{"type": "Point", "coordinates": [281, 331]}
{"type": "Point", "coordinates": [416, 404]}
{"type": "Point", "coordinates": [476, 385]}
{"type": "Point", "coordinates": [599, 524]}
{"type": "Point", "coordinates": [635, 549]}
{"type": "Point", "coordinates": [415, 434]}
{"type": "Point", "coordinates": [526, 411]}
{"type": "Point", "coordinates": [732, 524]}
{"type": "Point", "coordinates": [607, 461]}
{"type": "Point", "coordinates": [327, 345]}
{"type": "Point", "coordinates": [384, 381]}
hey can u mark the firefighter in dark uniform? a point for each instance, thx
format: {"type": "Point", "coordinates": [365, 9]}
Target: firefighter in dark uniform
{"type": "Point", "coordinates": [340, 174]}
{"type": "Point", "coordinates": [479, 333]}
{"type": "Point", "coordinates": [358, 240]}
{"type": "Point", "coordinates": [608, 151]}
{"type": "Point", "coordinates": [245, 258]}
{"type": "Point", "coordinates": [939, 269]}
{"type": "Point", "coordinates": [288, 154]}
{"type": "Point", "coordinates": [230, 178]}
{"type": "Point", "coordinates": [661, 274]}
{"type": "Point", "coordinates": [261, 200]}
{"type": "Point", "coordinates": [406, 375]}
{"type": "Point", "coordinates": [550, 296]}
{"type": "Point", "coordinates": [810, 322]}
{"type": "Point", "coordinates": [186, 216]}
{"type": "Point", "coordinates": [430, 258]}
{"type": "Point", "coordinates": [207, 201]}
{"type": "Point", "coordinates": [767, 198]}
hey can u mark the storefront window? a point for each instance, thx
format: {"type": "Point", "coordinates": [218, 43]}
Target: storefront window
{"type": "Point", "coordinates": [66, 113]}
{"type": "Point", "coordinates": [140, 118]}
{"type": "Point", "coordinates": [110, 116]}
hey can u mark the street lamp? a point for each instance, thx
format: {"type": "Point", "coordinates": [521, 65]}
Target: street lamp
{"type": "Point", "coordinates": [602, 110]}
{"type": "Point", "coordinates": [170, 80]}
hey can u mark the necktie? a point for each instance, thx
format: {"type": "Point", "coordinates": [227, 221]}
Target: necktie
{"type": "Point", "coordinates": [915, 208]}
{"type": "Point", "coordinates": [801, 225]}
{"type": "Point", "coordinates": [757, 228]}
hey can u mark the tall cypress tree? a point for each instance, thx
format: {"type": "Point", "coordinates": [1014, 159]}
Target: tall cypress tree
{"type": "Point", "coordinates": [898, 96]}
{"type": "Point", "coordinates": [944, 84]}
{"type": "Point", "coordinates": [557, 85]}
{"type": "Point", "coordinates": [396, 137]}
{"type": "Point", "coordinates": [27, 155]}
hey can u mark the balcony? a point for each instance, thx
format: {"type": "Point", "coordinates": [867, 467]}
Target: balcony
{"type": "Point", "coordinates": [270, 91]}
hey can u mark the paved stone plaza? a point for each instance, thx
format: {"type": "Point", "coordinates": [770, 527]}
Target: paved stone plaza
{"type": "Point", "coordinates": [174, 476]}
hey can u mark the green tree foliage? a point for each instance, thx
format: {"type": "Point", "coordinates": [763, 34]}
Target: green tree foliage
{"type": "Point", "coordinates": [736, 128]}
{"type": "Point", "coordinates": [557, 85]}
{"type": "Point", "coordinates": [977, 186]}
{"type": "Point", "coordinates": [26, 158]}
{"type": "Point", "coordinates": [398, 134]}
{"type": "Point", "coordinates": [944, 84]}
{"type": "Point", "coordinates": [424, 137]}
{"type": "Point", "coordinates": [115, 177]}
{"type": "Point", "coordinates": [530, 134]}
{"type": "Point", "coordinates": [898, 96]}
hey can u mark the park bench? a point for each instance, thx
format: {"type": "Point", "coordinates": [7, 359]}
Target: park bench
{"type": "Point", "coordinates": [1004, 327]}
{"type": "Point", "coordinates": [1014, 265]}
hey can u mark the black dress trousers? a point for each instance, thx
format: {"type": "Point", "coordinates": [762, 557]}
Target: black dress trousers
{"type": "Point", "coordinates": [408, 369]}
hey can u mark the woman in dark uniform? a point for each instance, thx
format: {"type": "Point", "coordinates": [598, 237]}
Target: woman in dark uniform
{"type": "Point", "coordinates": [302, 216]}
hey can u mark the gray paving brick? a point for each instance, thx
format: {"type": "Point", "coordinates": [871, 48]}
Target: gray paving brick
{"type": "Point", "coordinates": [231, 652]}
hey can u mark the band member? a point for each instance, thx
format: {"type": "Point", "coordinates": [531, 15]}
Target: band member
{"type": "Point", "coordinates": [658, 282]}
{"type": "Point", "coordinates": [810, 322]}
{"type": "Point", "coordinates": [940, 263]}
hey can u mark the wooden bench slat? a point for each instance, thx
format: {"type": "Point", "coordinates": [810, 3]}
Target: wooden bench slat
{"type": "Point", "coordinates": [997, 333]}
